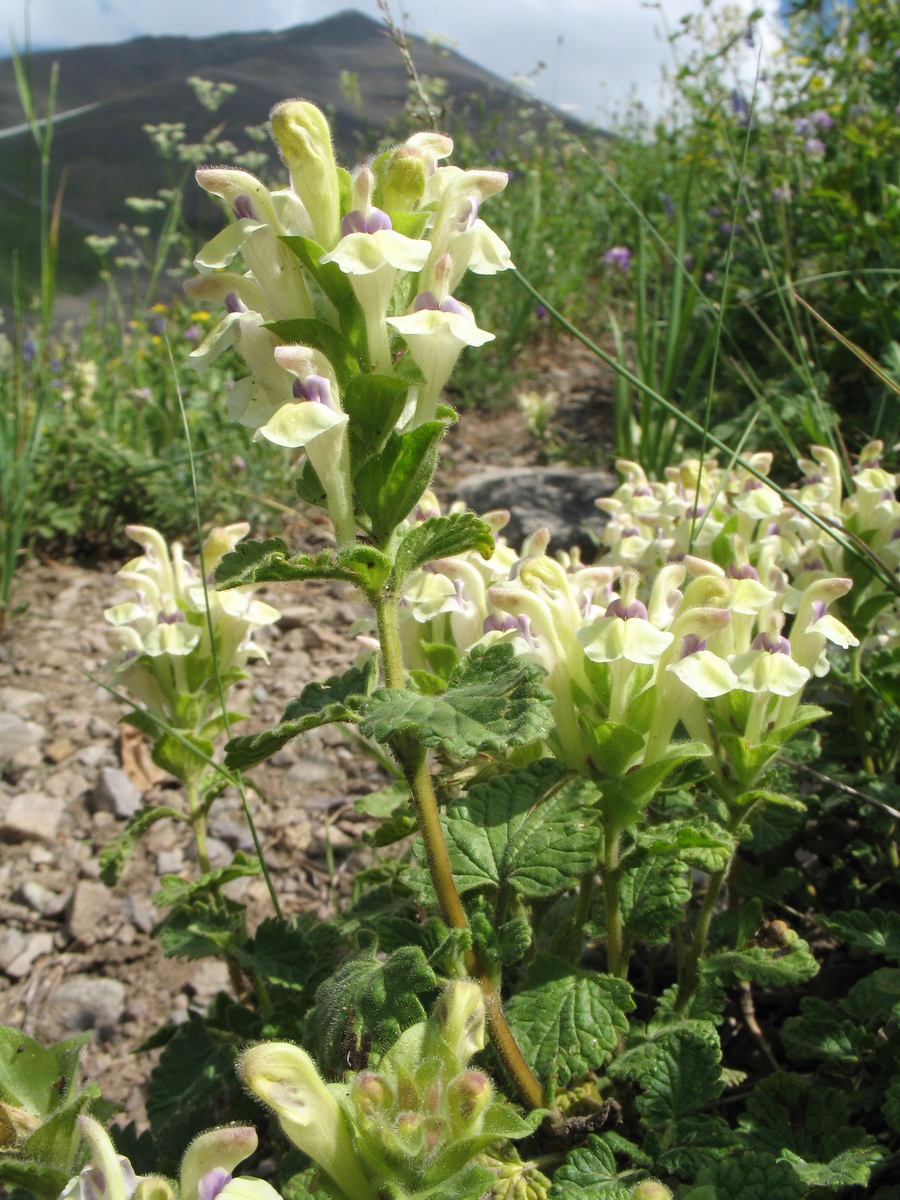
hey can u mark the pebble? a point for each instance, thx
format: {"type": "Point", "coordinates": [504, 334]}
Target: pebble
{"type": "Point", "coordinates": [18, 700]}
{"type": "Point", "coordinates": [89, 1002]}
{"type": "Point", "coordinates": [59, 749]}
{"type": "Point", "coordinates": [235, 833]}
{"type": "Point", "coordinates": [27, 757]}
{"type": "Point", "coordinates": [115, 793]}
{"type": "Point", "coordinates": [67, 784]}
{"type": "Point", "coordinates": [140, 912]}
{"type": "Point", "coordinates": [31, 816]}
{"type": "Point", "coordinates": [12, 943]}
{"type": "Point", "coordinates": [312, 772]}
{"type": "Point", "coordinates": [15, 733]}
{"type": "Point", "coordinates": [35, 896]}
{"type": "Point", "coordinates": [35, 946]}
{"type": "Point", "coordinates": [90, 904]}
{"type": "Point", "coordinates": [169, 862]}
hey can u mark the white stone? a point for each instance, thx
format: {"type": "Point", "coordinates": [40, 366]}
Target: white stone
{"type": "Point", "coordinates": [31, 816]}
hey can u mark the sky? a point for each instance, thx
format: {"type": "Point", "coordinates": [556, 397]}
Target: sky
{"type": "Point", "coordinates": [598, 53]}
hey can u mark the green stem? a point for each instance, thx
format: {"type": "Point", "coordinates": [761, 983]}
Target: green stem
{"type": "Point", "coordinates": [615, 938]}
{"type": "Point", "coordinates": [859, 713]}
{"type": "Point", "coordinates": [690, 975]}
{"type": "Point", "coordinates": [198, 825]}
{"type": "Point", "coordinates": [411, 756]}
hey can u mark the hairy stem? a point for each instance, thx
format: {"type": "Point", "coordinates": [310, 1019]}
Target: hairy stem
{"type": "Point", "coordinates": [412, 758]}
{"type": "Point", "coordinates": [615, 938]}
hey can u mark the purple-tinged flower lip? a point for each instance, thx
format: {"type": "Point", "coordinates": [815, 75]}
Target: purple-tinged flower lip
{"type": "Point", "coordinates": [631, 531]}
{"type": "Point", "coordinates": [243, 207]}
{"type": "Point", "coordinates": [752, 485]}
{"type": "Point", "coordinates": [93, 1183]}
{"type": "Point", "coordinates": [212, 1183]}
{"type": "Point", "coordinates": [813, 564]}
{"type": "Point", "coordinates": [468, 213]}
{"type": "Point", "coordinates": [772, 645]}
{"type": "Point", "coordinates": [643, 491]}
{"type": "Point", "coordinates": [618, 608]}
{"type": "Point", "coordinates": [816, 477]}
{"type": "Point", "coordinates": [234, 303]}
{"type": "Point", "coordinates": [691, 644]}
{"type": "Point", "coordinates": [314, 387]}
{"type": "Point", "coordinates": [174, 618]}
{"type": "Point", "coordinates": [741, 571]}
{"type": "Point", "coordinates": [429, 301]}
{"type": "Point", "coordinates": [497, 624]}
{"type": "Point", "coordinates": [819, 609]}
{"type": "Point", "coordinates": [358, 222]}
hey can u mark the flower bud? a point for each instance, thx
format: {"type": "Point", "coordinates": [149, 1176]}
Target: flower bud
{"type": "Point", "coordinates": [651, 1189]}
{"type": "Point", "coordinates": [468, 1096]}
{"type": "Point", "coordinates": [404, 181]}
{"type": "Point", "coordinates": [458, 1019]}
{"type": "Point", "coordinates": [285, 1078]}
{"type": "Point", "coordinates": [304, 139]}
{"type": "Point", "coordinates": [218, 1150]}
{"type": "Point", "coordinates": [371, 1094]}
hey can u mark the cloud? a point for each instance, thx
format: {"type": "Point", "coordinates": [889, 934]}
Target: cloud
{"type": "Point", "coordinates": [596, 53]}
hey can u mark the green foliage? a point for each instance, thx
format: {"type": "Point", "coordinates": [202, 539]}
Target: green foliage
{"type": "Point", "coordinates": [493, 701]}
{"type": "Point", "coordinates": [591, 1170]}
{"type": "Point", "coordinates": [531, 831]}
{"type": "Point", "coordinates": [339, 698]}
{"type": "Point", "coordinates": [568, 1022]}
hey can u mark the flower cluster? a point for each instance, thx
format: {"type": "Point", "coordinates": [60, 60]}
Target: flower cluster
{"type": "Point", "coordinates": [343, 275]}
{"type": "Point", "coordinates": [745, 524]}
{"type": "Point", "coordinates": [417, 1121]}
{"type": "Point", "coordinates": [175, 635]}
{"type": "Point", "coordinates": [206, 1170]}
{"type": "Point", "coordinates": [691, 642]}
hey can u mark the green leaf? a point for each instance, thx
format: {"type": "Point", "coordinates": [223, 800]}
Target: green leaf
{"type": "Point", "coordinates": [616, 747]}
{"type": "Point", "coordinates": [590, 1171]}
{"type": "Point", "coordinates": [390, 483]}
{"type": "Point", "coordinates": [533, 830]}
{"type": "Point", "coordinates": [44, 1181]}
{"type": "Point", "coordinates": [700, 842]}
{"type": "Point", "coordinates": [891, 1104]}
{"type": "Point", "coordinates": [201, 929]}
{"type": "Point", "coordinates": [30, 1072]}
{"type": "Point", "coordinates": [176, 754]}
{"type": "Point", "coordinates": [493, 701]}
{"type": "Point", "coordinates": [192, 1085]}
{"type": "Point", "coordinates": [374, 404]}
{"type": "Point", "coordinates": [851, 1168]}
{"type": "Point", "coordinates": [653, 892]}
{"type": "Point", "coordinates": [268, 562]}
{"type": "Point", "coordinates": [295, 954]}
{"type": "Point", "coordinates": [367, 995]}
{"type": "Point", "coordinates": [875, 997]}
{"type": "Point", "coordinates": [339, 698]}
{"type": "Point", "coordinates": [115, 854]}
{"type": "Point", "coordinates": [441, 537]}
{"type": "Point", "coordinates": [568, 1021]}
{"type": "Point", "coordinates": [790, 963]}
{"type": "Point", "coordinates": [822, 1033]}
{"type": "Point", "coordinates": [875, 930]}
{"type": "Point", "coordinates": [683, 1076]}
{"type": "Point", "coordinates": [175, 890]}
{"type": "Point", "coordinates": [320, 336]}
{"type": "Point", "coordinates": [747, 1176]}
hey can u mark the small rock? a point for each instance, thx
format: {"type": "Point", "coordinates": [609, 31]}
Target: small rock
{"type": "Point", "coordinates": [88, 1002]}
{"type": "Point", "coordinates": [59, 749]}
{"type": "Point", "coordinates": [286, 756]}
{"type": "Point", "coordinates": [18, 700]}
{"type": "Point", "coordinates": [90, 904]}
{"type": "Point", "coordinates": [99, 727]}
{"type": "Point", "coordinates": [35, 896]}
{"type": "Point", "coordinates": [115, 793]}
{"type": "Point", "coordinates": [169, 862]}
{"type": "Point", "coordinates": [331, 836]}
{"type": "Point", "coordinates": [31, 816]}
{"type": "Point", "coordinates": [27, 757]}
{"type": "Point", "coordinates": [208, 978]}
{"type": "Point", "coordinates": [36, 945]}
{"type": "Point", "coordinates": [140, 912]}
{"type": "Point", "coordinates": [67, 784]}
{"type": "Point", "coordinates": [15, 733]}
{"type": "Point", "coordinates": [92, 756]}
{"type": "Point", "coordinates": [235, 833]}
{"type": "Point", "coordinates": [312, 772]}
{"type": "Point", "coordinates": [12, 943]}
{"type": "Point", "coordinates": [260, 694]}
{"type": "Point", "coordinates": [40, 856]}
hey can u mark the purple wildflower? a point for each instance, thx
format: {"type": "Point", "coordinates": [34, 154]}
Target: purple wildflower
{"type": "Point", "coordinates": [618, 257]}
{"type": "Point", "coordinates": [358, 222]}
{"type": "Point", "coordinates": [814, 146]}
